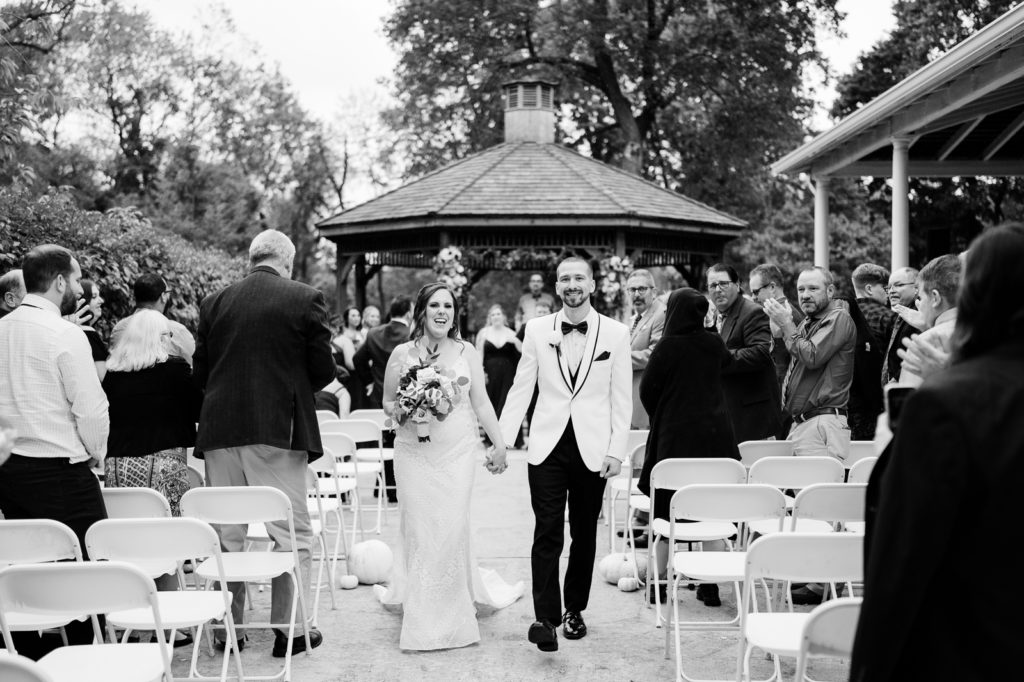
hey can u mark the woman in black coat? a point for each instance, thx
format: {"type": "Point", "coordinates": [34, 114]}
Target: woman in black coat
{"type": "Point", "coordinates": [681, 389]}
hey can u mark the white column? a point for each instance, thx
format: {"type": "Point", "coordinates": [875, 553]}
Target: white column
{"type": "Point", "coordinates": [900, 204]}
{"type": "Point", "coordinates": [821, 221]}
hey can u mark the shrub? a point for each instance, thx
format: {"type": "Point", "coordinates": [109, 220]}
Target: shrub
{"type": "Point", "coordinates": [114, 248]}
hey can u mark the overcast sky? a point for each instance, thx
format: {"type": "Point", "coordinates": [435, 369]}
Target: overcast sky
{"type": "Point", "coordinates": [333, 49]}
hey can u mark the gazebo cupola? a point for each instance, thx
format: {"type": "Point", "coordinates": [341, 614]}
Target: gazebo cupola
{"type": "Point", "coordinates": [529, 111]}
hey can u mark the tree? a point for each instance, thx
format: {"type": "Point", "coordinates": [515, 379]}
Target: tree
{"type": "Point", "coordinates": [697, 94]}
{"type": "Point", "coordinates": [953, 209]}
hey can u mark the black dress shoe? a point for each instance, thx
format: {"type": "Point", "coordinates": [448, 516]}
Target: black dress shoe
{"type": "Point", "coordinates": [637, 532]}
{"type": "Point", "coordinates": [708, 593]}
{"type": "Point", "coordinates": [298, 643]}
{"type": "Point", "coordinates": [804, 596]}
{"type": "Point", "coordinates": [543, 634]}
{"type": "Point", "coordinates": [573, 626]}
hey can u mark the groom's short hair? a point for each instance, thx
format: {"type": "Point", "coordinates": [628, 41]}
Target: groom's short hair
{"type": "Point", "coordinates": [576, 259]}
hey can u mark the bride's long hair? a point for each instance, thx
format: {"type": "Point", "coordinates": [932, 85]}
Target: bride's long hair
{"type": "Point", "coordinates": [420, 310]}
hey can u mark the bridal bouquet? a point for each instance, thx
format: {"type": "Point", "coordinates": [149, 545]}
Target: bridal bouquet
{"type": "Point", "coordinates": [427, 390]}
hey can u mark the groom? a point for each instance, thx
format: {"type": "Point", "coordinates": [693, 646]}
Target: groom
{"type": "Point", "coordinates": [579, 360]}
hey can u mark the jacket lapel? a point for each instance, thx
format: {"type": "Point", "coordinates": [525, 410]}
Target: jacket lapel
{"type": "Point", "coordinates": [588, 357]}
{"type": "Point", "coordinates": [563, 364]}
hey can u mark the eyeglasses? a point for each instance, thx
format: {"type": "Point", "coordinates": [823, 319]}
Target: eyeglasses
{"type": "Point", "coordinates": [755, 292]}
{"type": "Point", "coordinates": [715, 286]}
{"type": "Point", "coordinates": [637, 290]}
{"type": "Point", "coordinates": [900, 285]}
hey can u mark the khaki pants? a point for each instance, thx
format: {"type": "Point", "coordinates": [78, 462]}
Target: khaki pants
{"type": "Point", "coordinates": [278, 468]}
{"type": "Point", "coordinates": [827, 434]}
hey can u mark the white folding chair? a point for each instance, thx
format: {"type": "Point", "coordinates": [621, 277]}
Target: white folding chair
{"type": "Point", "coordinates": [828, 632]}
{"type": "Point", "coordinates": [340, 450]}
{"type": "Point", "coordinates": [15, 668]}
{"type": "Point", "coordinates": [670, 475]}
{"type": "Point", "coordinates": [373, 414]}
{"type": "Point", "coordinates": [325, 415]}
{"type": "Point", "coordinates": [734, 504]}
{"type": "Point", "coordinates": [242, 506]}
{"type": "Point", "coordinates": [34, 541]}
{"type": "Point", "coordinates": [859, 449]}
{"type": "Point", "coordinates": [787, 558]}
{"type": "Point", "coordinates": [326, 493]}
{"type": "Point", "coordinates": [143, 541]}
{"type": "Point", "coordinates": [860, 472]}
{"type": "Point", "coordinates": [753, 450]}
{"type": "Point", "coordinates": [135, 503]}
{"type": "Point", "coordinates": [794, 473]}
{"type": "Point", "coordinates": [837, 504]}
{"type": "Point", "coordinates": [90, 587]}
{"type": "Point", "coordinates": [624, 486]}
{"type": "Point", "coordinates": [370, 460]}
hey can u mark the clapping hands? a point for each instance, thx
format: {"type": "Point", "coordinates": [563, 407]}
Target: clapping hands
{"type": "Point", "coordinates": [925, 357]}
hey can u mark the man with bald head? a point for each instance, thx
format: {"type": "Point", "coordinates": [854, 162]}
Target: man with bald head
{"type": "Point", "coordinates": [902, 291]}
{"type": "Point", "coordinates": [12, 291]}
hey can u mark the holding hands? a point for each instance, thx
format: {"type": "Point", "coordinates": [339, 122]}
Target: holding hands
{"type": "Point", "coordinates": [496, 461]}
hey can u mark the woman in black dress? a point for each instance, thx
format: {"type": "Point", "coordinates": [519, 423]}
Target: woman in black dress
{"type": "Point", "coordinates": [500, 348]}
{"type": "Point", "coordinates": [681, 389]}
{"type": "Point", "coordinates": [93, 302]}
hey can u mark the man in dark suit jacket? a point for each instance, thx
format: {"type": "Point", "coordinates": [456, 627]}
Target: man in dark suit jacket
{"type": "Point", "coordinates": [371, 360]}
{"type": "Point", "coordinates": [751, 388]}
{"type": "Point", "coordinates": [262, 352]}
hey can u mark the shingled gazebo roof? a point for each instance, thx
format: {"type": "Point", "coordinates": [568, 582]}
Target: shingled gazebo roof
{"type": "Point", "coordinates": [531, 195]}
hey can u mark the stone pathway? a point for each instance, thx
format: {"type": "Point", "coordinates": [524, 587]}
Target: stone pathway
{"type": "Point", "coordinates": [361, 639]}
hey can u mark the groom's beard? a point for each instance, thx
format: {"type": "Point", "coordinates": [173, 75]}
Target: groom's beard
{"type": "Point", "coordinates": [573, 298]}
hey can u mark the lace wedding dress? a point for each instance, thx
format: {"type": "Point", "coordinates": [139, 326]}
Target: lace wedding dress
{"type": "Point", "coordinates": [436, 582]}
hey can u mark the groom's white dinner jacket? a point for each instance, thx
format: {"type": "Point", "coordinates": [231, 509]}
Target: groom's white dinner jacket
{"type": "Point", "coordinates": [600, 403]}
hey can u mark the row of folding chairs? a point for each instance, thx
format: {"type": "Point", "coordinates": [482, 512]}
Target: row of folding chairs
{"type": "Point", "coordinates": [44, 596]}
{"type": "Point", "coordinates": [856, 468]}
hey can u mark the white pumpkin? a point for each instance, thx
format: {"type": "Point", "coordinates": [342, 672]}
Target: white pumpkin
{"type": "Point", "coordinates": [629, 584]}
{"type": "Point", "coordinates": [615, 566]}
{"type": "Point", "coordinates": [348, 582]}
{"type": "Point", "coordinates": [371, 561]}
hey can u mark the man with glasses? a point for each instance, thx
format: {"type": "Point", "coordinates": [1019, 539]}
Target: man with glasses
{"type": "Point", "coordinates": [645, 330]}
{"type": "Point", "coordinates": [751, 388]}
{"type": "Point", "coordinates": [766, 283]}
{"type": "Point", "coordinates": [902, 291]}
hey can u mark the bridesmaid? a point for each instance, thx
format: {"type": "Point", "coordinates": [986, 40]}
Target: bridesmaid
{"type": "Point", "coordinates": [500, 348]}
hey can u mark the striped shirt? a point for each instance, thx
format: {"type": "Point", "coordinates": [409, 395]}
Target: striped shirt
{"type": "Point", "coordinates": [49, 390]}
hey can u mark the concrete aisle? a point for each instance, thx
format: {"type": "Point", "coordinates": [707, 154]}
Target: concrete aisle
{"type": "Point", "coordinates": [361, 638]}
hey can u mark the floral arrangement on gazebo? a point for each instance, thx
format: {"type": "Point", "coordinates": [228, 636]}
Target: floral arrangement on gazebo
{"type": "Point", "coordinates": [610, 271]}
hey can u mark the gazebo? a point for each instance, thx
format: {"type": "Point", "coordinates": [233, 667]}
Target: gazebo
{"type": "Point", "coordinates": [526, 195]}
{"type": "Point", "coordinates": [961, 114]}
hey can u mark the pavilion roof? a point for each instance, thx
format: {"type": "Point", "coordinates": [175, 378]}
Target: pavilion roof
{"type": "Point", "coordinates": [962, 113]}
{"type": "Point", "coordinates": [530, 180]}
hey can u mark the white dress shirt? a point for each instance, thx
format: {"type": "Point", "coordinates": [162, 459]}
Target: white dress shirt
{"type": "Point", "coordinates": [49, 389]}
{"type": "Point", "coordinates": [574, 343]}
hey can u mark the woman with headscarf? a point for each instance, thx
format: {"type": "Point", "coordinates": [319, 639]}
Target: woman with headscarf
{"type": "Point", "coordinates": [681, 389]}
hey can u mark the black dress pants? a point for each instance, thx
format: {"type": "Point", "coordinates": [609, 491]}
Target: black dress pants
{"type": "Point", "coordinates": [38, 488]}
{"type": "Point", "coordinates": [563, 474]}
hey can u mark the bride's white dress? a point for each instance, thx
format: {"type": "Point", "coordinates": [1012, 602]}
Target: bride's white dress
{"type": "Point", "coordinates": [435, 579]}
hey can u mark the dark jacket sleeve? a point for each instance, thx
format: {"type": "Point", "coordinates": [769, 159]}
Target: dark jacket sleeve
{"type": "Point", "coordinates": [319, 359]}
{"type": "Point", "coordinates": [200, 359]}
{"type": "Point", "coordinates": [188, 393]}
{"type": "Point", "coordinates": [361, 362]}
{"type": "Point", "coordinates": [652, 382]}
{"type": "Point", "coordinates": [755, 354]}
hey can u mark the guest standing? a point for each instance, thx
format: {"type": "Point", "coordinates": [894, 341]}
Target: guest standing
{"type": "Point", "coordinates": [263, 350]}
{"type": "Point", "coordinates": [953, 472]}
{"type": "Point", "coordinates": [93, 303]}
{"type": "Point", "coordinates": [645, 330]}
{"type": "Point", "coordinates": [51, 395]}
{"type": "Point", "coordinates": [154, 407]}
{"type": "Point", "coordinates": [751, 389]}
{"type": "Point", "coordinates": [12, 290]}
{"type": "Point", "coordinates": [344, 345]}
{"type": "Point", "coordinates": [152, 292]}
{"type": "Point", "coordinates": [902, 293]}
{"type": "Point", "coordinates": [371, 317]}
{"type": "Point", "coordinates": [937, 286]}
{"type": "Point", "coordinates": [535, 295]}
{"type": "Point", "coordinates": [500, 349]}
{"type": "Point", "coordinates": [682, 391]}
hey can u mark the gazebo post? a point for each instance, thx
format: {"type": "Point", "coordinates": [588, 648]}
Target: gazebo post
{"type": "Point", "coordinates": [360, 268]}
{"type": "Point", "coordinates": [821, 221]}
{"type": "Point", "coordinates": [900, 203]}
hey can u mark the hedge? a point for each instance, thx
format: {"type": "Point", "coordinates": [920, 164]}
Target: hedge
{"type": "Point", "coordinates": [114, 248]}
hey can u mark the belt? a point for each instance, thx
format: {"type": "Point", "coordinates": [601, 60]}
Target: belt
{"type": "Point", "coordinates": [811, 414]}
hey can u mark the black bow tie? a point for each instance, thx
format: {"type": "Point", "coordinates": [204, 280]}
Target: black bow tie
{"type": "Point", "coordinates": [568, 327]}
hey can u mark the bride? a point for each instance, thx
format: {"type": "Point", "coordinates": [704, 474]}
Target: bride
{"type": "Point", "coordinates": [435, 578]}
